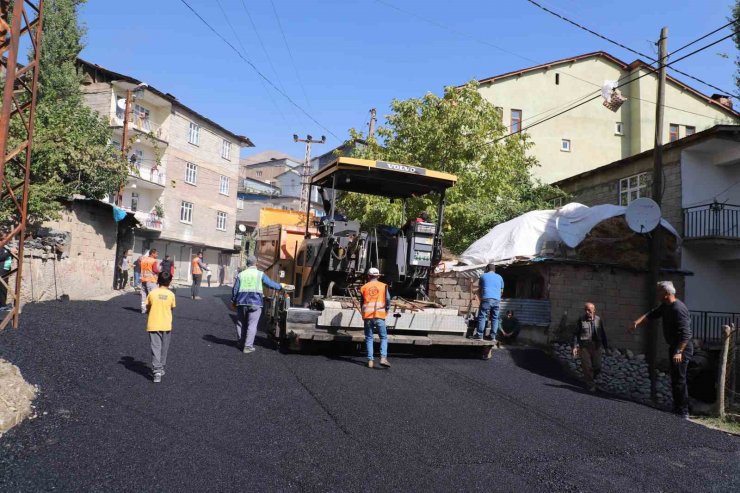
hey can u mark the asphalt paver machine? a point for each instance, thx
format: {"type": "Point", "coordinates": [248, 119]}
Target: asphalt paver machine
{"type": "Point", "coordinates": [323, 302]}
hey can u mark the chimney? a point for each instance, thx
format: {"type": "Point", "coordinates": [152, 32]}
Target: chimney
{"type": "Point", "coordinates": [723, 99]}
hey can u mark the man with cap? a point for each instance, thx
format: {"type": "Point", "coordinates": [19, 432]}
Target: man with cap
{"type": "Point", "coordinates": [677, 333]}
{"type": "Point", "coordinates": [375, 302]}
{"type": "Point", "coordinates": [246, 295]}
{"type": "Point", "coordinates": [490, 289]}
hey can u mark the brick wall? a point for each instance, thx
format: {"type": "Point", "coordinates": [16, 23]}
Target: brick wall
{"type": "Point", "coordinates": [86, 268]}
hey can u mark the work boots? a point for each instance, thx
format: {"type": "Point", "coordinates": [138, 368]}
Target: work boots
{"type": "Point", "coordinates": [384, 362]}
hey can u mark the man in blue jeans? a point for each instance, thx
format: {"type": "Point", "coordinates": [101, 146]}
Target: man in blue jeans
{"type": "Point", "coordinates": [375, 302]}
{"type": "Point", "coordinates": [490, 289]}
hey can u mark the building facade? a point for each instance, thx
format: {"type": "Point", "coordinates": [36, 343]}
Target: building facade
{"type": "Point", "coordinates": [701, 199]}
{"type": "Point", "coordinates": [184, 170]}
{"type": "Point", "coordinates": [592, 135]}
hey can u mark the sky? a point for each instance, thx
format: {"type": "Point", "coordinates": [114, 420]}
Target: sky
{"type": "Point", "coordinates": [336, 59]}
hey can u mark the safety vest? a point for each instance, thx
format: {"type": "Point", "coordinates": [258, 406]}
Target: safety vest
{"type": "Point", "coordinates": [373, 300]}
{"type": "Point", "coordinates": [250, 281]}
{"type": "Point", "coordinates": [147, 269]}
{"type": "Point", "coordinates": [196, 267]}
{"type": "Point", "coordinates": [8, 264]}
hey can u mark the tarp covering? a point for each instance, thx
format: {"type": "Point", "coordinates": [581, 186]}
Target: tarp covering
{"type": "Point", "coordinates": [525, 236]}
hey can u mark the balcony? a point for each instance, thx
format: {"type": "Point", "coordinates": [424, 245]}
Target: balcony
{"type": "Point", "coordinates": [149, 220]}
{"type": "Point", "coordinates": [147, 177]}
{"type": "Point", "coordinates": [707, 326]}
{"type": "Point", "coordinates": [715, 222]}
{"type": "Point", "coordinates": [142, 125]}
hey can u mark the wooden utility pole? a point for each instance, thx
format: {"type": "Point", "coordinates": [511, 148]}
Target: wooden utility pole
{"type": "Point", "coordinates": [124, 142]}
{"type": "Point", "coordinates": [371, 125]}
{"type": "Point", "coordinates": [656, 242]}
{"type": "Point", "coordinates": [306, 172]}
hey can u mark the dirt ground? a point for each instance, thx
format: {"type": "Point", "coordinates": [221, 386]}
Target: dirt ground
{"type": "Point", "coordinates": [16, 396]}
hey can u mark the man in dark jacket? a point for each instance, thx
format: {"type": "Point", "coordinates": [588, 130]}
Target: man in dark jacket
{"type": "Point", "coordinates": [677, 333]}
{"type": "Point", "coordinates": [6, 265]}
{"type": "Point", "coordinates": [588, 340]}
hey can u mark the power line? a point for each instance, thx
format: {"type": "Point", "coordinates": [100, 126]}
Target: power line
{"type": "Point", "coordinates": [617, 43]}
{"type": "Point", "coordinates": [290, 53]}
{"type": "Point", "coordinates": [254, 67]}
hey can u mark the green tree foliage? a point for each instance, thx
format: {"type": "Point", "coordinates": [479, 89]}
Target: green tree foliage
{"type": "Point", "coordinates": [454, 133]}
{"type": "Point", "coordinates": [71, 149]}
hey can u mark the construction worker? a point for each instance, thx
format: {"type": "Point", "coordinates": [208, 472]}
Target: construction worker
{"type": "Point", "coordinates": [375, 303]}
{"type": "Point", "coordinates": [149, 272]}
{"type": "Point", "coordinates": [246, 295]}
{"type": "Point", "coordinates": [197, 270]}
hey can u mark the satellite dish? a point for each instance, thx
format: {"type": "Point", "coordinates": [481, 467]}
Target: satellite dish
{"type": "Point", "coordinates": [242, 228]}
{"type": "Point", "coordinates": [121, 103]}
{"type": "Point", "coordinates": [642, 215]}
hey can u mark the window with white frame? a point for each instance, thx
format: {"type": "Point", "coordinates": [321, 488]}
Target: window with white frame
{"type": "Point", "coordinates": [134, 201]}
{"type": "Point", "coordinates": [226, 150]}
{"type": "Point", "coordinates": [194, 133]}
{"type": "Point", "coordinates": [565, 145]}
{"type": "Point", "coordinates": [221, 221]}
{"type": "Point", "coordinates": [191, 173]}
{"type": "Point", "coordinates": [186, 212]}
{"type": "Point", "coordinates": [619, 128]}
{"type": "Point", "coordinates": [223, 188]}
{"type": "Point", "coordinates": [632, 188]}
{"type": "Point", "coordinates": [240, 203]}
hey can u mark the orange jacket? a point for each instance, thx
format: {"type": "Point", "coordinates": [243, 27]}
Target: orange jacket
{"type": "Point", "coordinates": [196, 267]}
{"type": "Point", "coordinates": [375, 300]}
{"type": "Point", "coordinates": [148, 269]}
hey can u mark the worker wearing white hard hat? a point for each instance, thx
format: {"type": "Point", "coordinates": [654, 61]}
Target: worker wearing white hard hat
{"type": "Point", "coordinates": [375, 303]}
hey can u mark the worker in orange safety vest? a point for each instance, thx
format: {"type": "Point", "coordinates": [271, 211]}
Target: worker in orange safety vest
{"type": "Point", "coordinates": [149, 273]}
{"type": "Point", "coordinates": [375, 303]}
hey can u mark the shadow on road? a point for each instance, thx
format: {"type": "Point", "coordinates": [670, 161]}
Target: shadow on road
{"type": "Point", "coordinates": [132, 309]}
{"type": "Point", "coordinates": [540, 363]}
{"type": "Point", "coordinates": [136, 366]}
{"type": "Point", "coordinates": [220, 340]}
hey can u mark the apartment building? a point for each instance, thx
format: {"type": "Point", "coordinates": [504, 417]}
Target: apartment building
{"type": "Point", "coordinates": [592, 135]}
{"type": "Point", "coordinates": [184, 170]}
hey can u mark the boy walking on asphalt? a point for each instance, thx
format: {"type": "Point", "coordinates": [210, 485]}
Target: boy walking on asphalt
{"type": "Point", "coordinates": [160, 302]}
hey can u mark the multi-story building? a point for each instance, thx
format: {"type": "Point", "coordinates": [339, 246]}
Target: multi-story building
{"type": "Point", "coordinates": [184, 170]}
{"type": "Point", "coordinates": [592, 135]}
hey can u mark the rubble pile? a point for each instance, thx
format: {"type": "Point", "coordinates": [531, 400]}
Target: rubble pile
{"type": "Point", "coordinates": [16, 396]}
{"type": "Point", "coordinates": [622, 372]}
{"type": "Point", "coordinates": [48, 242]}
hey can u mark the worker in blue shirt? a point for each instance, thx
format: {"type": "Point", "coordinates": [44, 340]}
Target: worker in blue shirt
{"type": "Point", "coordinates": [490, 289]}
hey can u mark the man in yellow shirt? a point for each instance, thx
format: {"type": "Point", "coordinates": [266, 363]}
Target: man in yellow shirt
{"type": "Point", "coordinates": [159, 303]}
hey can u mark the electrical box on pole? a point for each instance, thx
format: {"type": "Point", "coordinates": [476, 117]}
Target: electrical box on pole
{"type": "Point", "coordinates": [306, 171]}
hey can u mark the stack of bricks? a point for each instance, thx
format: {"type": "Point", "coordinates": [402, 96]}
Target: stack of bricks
{"type": "Point", "coordinates": [454, 290]}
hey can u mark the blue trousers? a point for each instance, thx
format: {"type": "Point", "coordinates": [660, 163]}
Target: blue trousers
{"type": "Point", "coordinates": [488, 307]}
{"type": "Point", "coordinates": [379, 324]}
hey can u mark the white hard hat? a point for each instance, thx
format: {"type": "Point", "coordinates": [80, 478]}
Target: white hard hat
{"type": "Point", "coordinates": [373, 272]}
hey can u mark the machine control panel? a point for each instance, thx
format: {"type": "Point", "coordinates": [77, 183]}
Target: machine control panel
{"type": "Point", "coordinates": [422, 245]}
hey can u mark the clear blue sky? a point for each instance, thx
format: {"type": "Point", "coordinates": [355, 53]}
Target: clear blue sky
{"type": "Point", "coordinates": [353, 55]}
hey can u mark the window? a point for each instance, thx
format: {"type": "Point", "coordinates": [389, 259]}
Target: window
{"type": "Point", "coordinates": [226, 150]}
{"type": "Point", "coordinates": [516, 121]}
{"type": "Point", "coordinates": [134, 201]}
{"type": "Point", "coordinates": [557, 202]}
{"type": "Point", "coordinates": [690, 130]}
{"type": "Point", "coordinates": [240, 203]}
{"type": "Point", "coordinates": [141, 118]}
{"type": "Point", "coordinates": [191, 173]}
{"type": "Point", "coordinates": [221, 221]}
{"type": "Point", "coordinates": [565, 145]}
{"type": "Point", "coordinates": [259, 173]}
{"type": "Point", "coordinates": [186, 212]}
{"type": "Point", "coordinates": [224, 186]}
{"type": "Point", "coordinates": [672, 132]}
{"type": "Point", "coordinates": [619, 128]}
{"type": "Point", "coordinates": [194, 134]}
{"type": "Point", "coordinates": [632, 188]}
{"type": "Point", "coordinates": [557, 79]}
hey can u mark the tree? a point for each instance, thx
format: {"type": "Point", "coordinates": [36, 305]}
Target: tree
{"type": "Point", "coordinates": [72, 153]}
{"type": "Point", "coordinates": [455, 133]}
{"type": "Point", "coordinates": [735, 17]}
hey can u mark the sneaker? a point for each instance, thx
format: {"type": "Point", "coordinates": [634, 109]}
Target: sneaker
{"type": "Point", "coordinates": [157, 377]}
{"type": "Point", "coordinates": [370, 363]}
{"type": "Point", "coordinates": [384, 362]}
{"type": "Point", "coordinates": [248, 349]}
{"type": "Point", "coordinates": [197, 298]}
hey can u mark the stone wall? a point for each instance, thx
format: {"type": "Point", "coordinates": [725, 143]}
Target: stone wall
{"type": "Point", "coordinates": [85, 267]}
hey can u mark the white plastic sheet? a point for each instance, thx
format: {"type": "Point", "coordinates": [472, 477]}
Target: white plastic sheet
{"type": "Point", "coordinates": [524, 237]}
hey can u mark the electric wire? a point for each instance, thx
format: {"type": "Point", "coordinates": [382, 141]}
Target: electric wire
{"type": "Point", "coordinates": [290, 53]}
{"type": "Point", "coordinates": [617, 43]}
{"type": "Point", "coordinates": [258, 72]}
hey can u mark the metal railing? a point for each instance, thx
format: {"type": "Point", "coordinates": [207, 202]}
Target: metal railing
{"type": "Point", "coordinates": [150, 174]}
{"type": "Point", "coordinates": [715, 220]}
{"type": "Point", "coordinates": [707, 326]}
{"type": "Point", "coordinates": [149, 220]}
{"type": "Point", "coordinates": [145, 125]}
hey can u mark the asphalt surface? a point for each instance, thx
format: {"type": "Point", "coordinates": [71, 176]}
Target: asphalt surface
{"type": "Point", "coordinates": [224, 421]}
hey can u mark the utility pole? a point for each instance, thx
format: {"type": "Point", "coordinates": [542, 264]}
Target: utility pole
{"type": "Point", "coordinates": [124, 141]}
{"type": "Point", "coordinates": [306, 172]}
{"type": "Point", "coordinates": [656, 242]}
{"type": "Point", "coordinates": [371, 125]}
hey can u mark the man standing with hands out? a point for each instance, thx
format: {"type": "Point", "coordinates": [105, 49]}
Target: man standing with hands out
{"type": "Point", "coordinates": [588, 340]}
{"type": "Point", "coordinates": [677, 333]}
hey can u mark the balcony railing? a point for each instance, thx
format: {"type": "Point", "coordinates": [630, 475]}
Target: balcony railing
{"type": "Point", "coordinates": [707, 326]}
{"type": "Point", "coordinates": [712, 221]}
{"type": "Point", "coordinates": [153, 175]}
{"type": "Point", "coordinates": [144, 125]}
{"type": "Point", "coordinates": [149, 220]}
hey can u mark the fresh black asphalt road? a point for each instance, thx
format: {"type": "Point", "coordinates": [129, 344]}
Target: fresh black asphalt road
{"type": "Point", "coordinates": [224, 421]}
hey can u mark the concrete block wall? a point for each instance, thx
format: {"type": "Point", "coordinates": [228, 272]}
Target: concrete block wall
{"type": "Point", "coordinates": [453, 290]}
